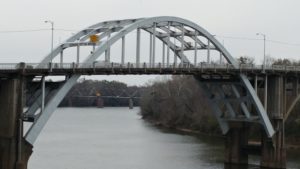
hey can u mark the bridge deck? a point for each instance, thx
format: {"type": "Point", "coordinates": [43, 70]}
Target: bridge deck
{"type": "Point", "coordinates": [130, 69]}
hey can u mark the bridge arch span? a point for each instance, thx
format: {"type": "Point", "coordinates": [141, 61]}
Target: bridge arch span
{"type": "Point", "coordinates": [120, 28]}
{"type": "Point", "coordinates": [114, 31]}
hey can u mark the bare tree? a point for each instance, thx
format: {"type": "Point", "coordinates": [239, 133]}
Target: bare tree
{"type": "Point", "coordinates": [246, 60]}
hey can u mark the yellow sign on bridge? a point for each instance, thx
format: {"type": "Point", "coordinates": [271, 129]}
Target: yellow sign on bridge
{"type": "Point", "coordinates": [94, 38]}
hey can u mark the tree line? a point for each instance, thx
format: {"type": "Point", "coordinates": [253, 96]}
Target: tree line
{"type": "Point", "coordinates": [85, 92]}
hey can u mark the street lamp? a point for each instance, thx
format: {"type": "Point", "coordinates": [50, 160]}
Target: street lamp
{"type": "Point", "coordinates": [208, 49]}
{"type": "Point", "coordinates": [52, 31]}
{"type": "Point", "coordinates": [264, 36]}
{"type": "Point", "coordinates": [221, 56]}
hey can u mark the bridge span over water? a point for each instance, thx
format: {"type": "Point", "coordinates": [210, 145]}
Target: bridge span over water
{"type": "Point", "coordinates": [174, 46]}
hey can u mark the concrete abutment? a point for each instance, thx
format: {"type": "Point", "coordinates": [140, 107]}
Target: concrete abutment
{"type": "Point", "coordinates": [14, 150]}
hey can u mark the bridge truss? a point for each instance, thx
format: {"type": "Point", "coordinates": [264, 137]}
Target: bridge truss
{"type": "Point", "coordinates": [232, 99]}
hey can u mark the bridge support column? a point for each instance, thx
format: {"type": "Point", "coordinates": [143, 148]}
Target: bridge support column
{"type": "Point", "coordinates": [14, 150]}
{"type": "Point", "coordinates": [235, 141]}
{"type": "Point", "coordinates": [274, 150]}
{"type": "Point", "coordinates": [130, 103]}
{"type": "Point", "coordinates": [99, 102]}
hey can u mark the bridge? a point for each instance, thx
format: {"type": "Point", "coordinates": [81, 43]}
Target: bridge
{"type": "Point", "coordinates": [98, 98]}
{"type": "Point", "coordinates": [230, 87]}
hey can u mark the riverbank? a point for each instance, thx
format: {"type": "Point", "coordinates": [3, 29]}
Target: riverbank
{"type": "Point", "coordinates": [290, 144]}
{"type": "Point", "coordinates": [180, 129]}
{"type": "Point", "coordinates": [180, 104]}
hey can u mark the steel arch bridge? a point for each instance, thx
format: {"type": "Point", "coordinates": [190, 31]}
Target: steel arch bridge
{"type": "Point", "coordinates": [177, 36]}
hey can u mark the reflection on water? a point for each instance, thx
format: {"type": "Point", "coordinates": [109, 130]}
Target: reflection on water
{"type": "Point", "coordinates": [113, 138]}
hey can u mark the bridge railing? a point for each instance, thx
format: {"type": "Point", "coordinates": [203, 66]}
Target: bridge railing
{"type": "Point", "coordinates": [102, 64]}
{"type": "Point", "coordinates": [9, 66]}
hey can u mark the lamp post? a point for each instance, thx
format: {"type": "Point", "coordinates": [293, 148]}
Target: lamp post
{"type": "Point", "coordinates": [52, 32]}
{"type": "Point", "coordinates": [208, 49]}
{"type": "Point", "coordinates": [264, 36]}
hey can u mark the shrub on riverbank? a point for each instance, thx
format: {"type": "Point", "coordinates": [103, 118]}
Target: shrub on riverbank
{"type": "Point", "coordinates": [178, 103]}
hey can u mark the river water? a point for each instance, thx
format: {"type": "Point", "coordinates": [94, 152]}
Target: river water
{"type": "Point", "coordinates": [117, 138]}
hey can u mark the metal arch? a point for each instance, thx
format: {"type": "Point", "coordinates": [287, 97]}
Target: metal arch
{"type": "Point", "coordinates": [192, 35]}
{"type": "Point", "coordinates": [111, 22]}
{"type": "Point", "coordinates": [99, 30]}
{"type": "Point", "coordinates": [171, 45]}
{"type": "Point", "coordinates": [188, 34]}
{"type": "Point", "coordinates": [150, 21]}
{"type": "Point", "coordinates": [83, 33]}
{"type": "Point", "coordinates": [129, 26]}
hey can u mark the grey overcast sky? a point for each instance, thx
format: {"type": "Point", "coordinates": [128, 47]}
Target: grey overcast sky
{"type": "Point", "coordinates": [278, 19]}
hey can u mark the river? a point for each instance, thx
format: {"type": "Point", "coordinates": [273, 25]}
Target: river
{"type": "Point", "coordinates": [117, 138]}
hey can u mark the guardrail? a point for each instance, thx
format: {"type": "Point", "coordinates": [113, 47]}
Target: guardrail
{"type": "Point", "coordinates": [102, 64]}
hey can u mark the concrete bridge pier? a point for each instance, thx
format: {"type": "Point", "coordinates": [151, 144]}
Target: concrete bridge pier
{"type": "Point", "coordinates": [130, 102]}
{"type": "Point", "coordinates": [99, 102]}
{"type": "Point", "coordinates": [273, 150]}
{"type": "Point", "coordinates": [235, 141]}
{"type": "Point", "coordinates": [14, 150]}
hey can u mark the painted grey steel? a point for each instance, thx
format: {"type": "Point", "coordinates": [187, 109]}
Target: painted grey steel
{"type": "Point", "coordinates": [221, 58]}
{"type": "Point", "coordinates": [38, 125]}
{"type": "Point", "coordinates": [107, 51]}
{"type": "Point", "coordinates": [173, 47]}
{"type": "Point", "coordinates": [208, 51]}
{"type": "Point", "coordinates": [196, 50]}
{"type": "Point", "coordinates": [221, 92]}
{"type": "Point", "coordinates": [163, 55]}
{"type": "Point", "coordinates": [294, 103]}
{"type": "Point", "coordinates": [129, 26]}
{"type": "Point", "coordinates": [178, 36]}
{"type": "Point", "coordinates": [221, 55]}
{"type": "Point", "coordinates": [43, 94]}
{"type": "Point", "coordinates": [123, 51]}
{"type": "Point", "coordinates": [105, 32]}
{"type": "Point", "coordinates": [175, 53]}
{"type": "Point", "coordinates": [243, 68]}
{"type": "Point", "coordinates": [85, 32]}
{"type": "Point", "coordinates": [94, 47]}
{"type": "Point", "coordinates": [154, 44]}
{"type": "Point", "coordinates": [199, 42]}
{"type": "Point", "coordinates": [182, 40]}
{"type": "Point", "coordinates": [138, 47]}
{"type": "Point", "coordinates": [36, 105]}
{"type": "Point", "coordinates": [243, 105]}
{"type": "Point", "coordinates": [78, 55]}
{"type": "Point", "coordinates": [61, 58]}
{"type": "Point", "coordinates": [168, 48]}
{"type": "Point", "coordinates": [77, 43]}
{"type": "Point", "coordinates": [151, 50]}
{"type": "Point", "coordinates": [265, 121]}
